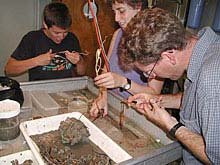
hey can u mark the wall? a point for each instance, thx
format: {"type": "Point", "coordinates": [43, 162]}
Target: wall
{"type": "Point", "coordinates": [207, 15]}
{"type": "Point", "coordinates": [178, 9]}
{"type": "Point", "coordinates": [17, 17]}
{"type": "Point", "coordinates": [85, 31]}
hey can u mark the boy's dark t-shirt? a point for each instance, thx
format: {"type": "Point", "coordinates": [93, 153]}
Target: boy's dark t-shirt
{"type": "Point", "coordinates": [36, 43]}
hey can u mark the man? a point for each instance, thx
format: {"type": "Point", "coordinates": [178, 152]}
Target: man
{"type": "Point", "coordinates": [51, 52]}
{"type": "Point", "coordinates": [156, 43]}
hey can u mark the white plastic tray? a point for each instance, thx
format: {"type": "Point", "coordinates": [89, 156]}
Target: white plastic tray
{"type": "Point", "coordinates": [20, 156]}
{"type": "Point", "coordinates": [39, 126]}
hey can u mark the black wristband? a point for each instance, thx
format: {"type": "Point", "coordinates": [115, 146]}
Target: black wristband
{"type": "Point", "coordinates": [126, 86]}
{"type": "Point", "coordinates": [121, 89]}
{"type": "Point", "coordinates": [173, 130]}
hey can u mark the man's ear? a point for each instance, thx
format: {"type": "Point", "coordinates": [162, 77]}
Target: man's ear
{"type": "Point", "coordinates": [44, 25]}
{"type": "Point", "coordinates": [169, 55]}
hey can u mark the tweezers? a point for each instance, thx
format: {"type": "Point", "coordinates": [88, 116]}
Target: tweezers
{"type": "Point", "coordinates": [126, 102]}
{"type": "Point", "coordinates": [84, 54]}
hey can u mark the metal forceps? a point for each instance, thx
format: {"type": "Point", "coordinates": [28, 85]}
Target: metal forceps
{"type": "Point", "coordinates": [81, 53]}
{"type": "Point", "coordinates": [121, 115]}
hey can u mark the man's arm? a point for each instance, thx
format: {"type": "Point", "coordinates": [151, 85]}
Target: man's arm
{"type": "Point", "coordinates": [17, 67]}
{"type": "Point", "coordinates": [171, 100]}
{"type": "Point", "coordinates": [189, 139]}
{"type": "Point", "coordinates": [153, 87]}
{"type": "Point", "coordinates": [193, 142]}
{"type": "Point", "coordinates": [164, 100]}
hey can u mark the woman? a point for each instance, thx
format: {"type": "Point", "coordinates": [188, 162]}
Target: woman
{"type": "Point", "coordinates": [122, 83]}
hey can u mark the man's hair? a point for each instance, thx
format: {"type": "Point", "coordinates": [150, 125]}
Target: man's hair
{"type": "Point", "coordinates": [57, 14]}
{"type": "Point", "coordinates": [133, 3]}
{"type": "Point", "coordinates": [148, 34]}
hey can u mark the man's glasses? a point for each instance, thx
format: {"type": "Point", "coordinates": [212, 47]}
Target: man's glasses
{"type": "Point", "coordinates": [147, 75]}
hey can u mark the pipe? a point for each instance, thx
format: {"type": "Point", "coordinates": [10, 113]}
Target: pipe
{"type": "Point", "coordinates": [216, 21]}
{"type": "Point", "coordinates": [195, 13]}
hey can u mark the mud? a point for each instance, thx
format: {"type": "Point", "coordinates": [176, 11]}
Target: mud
{"type": "Point", "coordinates": [69, 145]}
{"type": "Point", "coordinates": [127, 134]}
{"type": "Point", "coordinates": [73, 131]}
{"type": "Point", "coordinates": [26, 162]}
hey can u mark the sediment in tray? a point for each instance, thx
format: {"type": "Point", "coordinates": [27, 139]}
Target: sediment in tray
{"type": "Point", "coordinates": [70, 145]}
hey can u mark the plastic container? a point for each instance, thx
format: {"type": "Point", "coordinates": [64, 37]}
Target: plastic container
{"type": "Point", "coordinates": [10, 89]}
{"type": "Point", "coordinates": [44, 103]}
{"type": "Point", "coordinates": [9, 119]}
{"type": "Point", "coordinates": [26, 109]}
{"type": "Point", "coordinates": [19, 156]}
{"type": "Point", "coordinates": [78, 104]}
{"type": "Point", "coordinates": [47, 124]}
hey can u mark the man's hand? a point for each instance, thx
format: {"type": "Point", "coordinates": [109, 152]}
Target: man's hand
{"type": "Point", "coordinates": [159, 116]}
{"type": "Point", "coordinates": [73, 57]}
{"type": "Point", "coordinates": [142, 100]}
{"type": "Point", "coordinates": [149, 105]}
{"type": "Point", "coordinates": [44, 59]}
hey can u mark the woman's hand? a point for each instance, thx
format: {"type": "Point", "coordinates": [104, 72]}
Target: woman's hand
{"type": "Point", "coordinates": [98, 105]}
{"type": "Point", "coordinates": [110, 80]}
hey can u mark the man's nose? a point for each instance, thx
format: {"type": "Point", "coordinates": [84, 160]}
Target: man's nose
{"type": "Point", "coordinates": [61, 36]}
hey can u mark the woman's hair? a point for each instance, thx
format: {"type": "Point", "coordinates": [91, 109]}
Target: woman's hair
{"type": "Point", "coordinates": [133, 3]}
{"type": "Point", "coordinates": [57, 14]}
{"type": "Point", "coordinates": [148, 34]}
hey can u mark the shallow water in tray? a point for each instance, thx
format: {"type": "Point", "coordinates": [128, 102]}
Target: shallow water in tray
{"type": "Point", "coordinates": [131, 137]}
